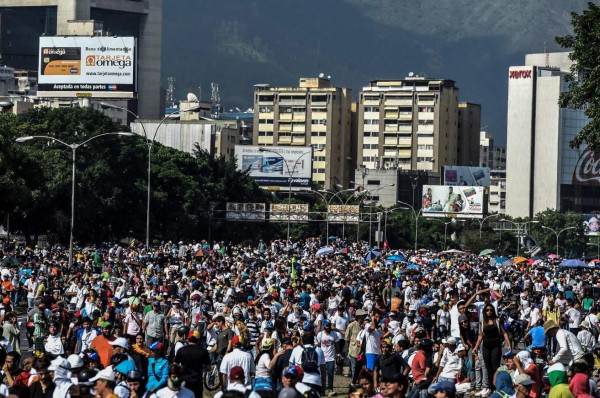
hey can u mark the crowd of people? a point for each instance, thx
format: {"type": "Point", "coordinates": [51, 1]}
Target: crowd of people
{"type": "Point", "coordinates": [269, 319]}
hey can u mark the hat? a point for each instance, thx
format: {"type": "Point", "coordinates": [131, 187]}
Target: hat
{"type": "Point", "coordinates": [509, 354]}
{"type": "Point", "coordinates": [156, 346]}
{"type": "Point", "coordinates": [549, 325]}
{"type": "Point", "coordinates": [444, 386]}
{"type": "Point", "coordinates": [105, 324]}
{"type": "Point", "coordinates": [125, 367]}
{"type": "Point", "coordinates": [105, 374]}
{"type": "Point", "coordinates": [361, 312]}
{"type": "Point", "coordinates": [75, 361]}
{"type": "Point", "coordinates": [237, 372]}
{"type": "Point", "coordinates": [59, 362]}
{"type": "Point", "coordinates": [450, 341]}
{"type": "Point", "coordinates": [393, 313]}
{"type": "Point", "coordinates": [291, 371]}
{"type": "Point", "coordinates": [462, 317]}
{"type": "Point", "coordinates": [120, 342]}
{"type": "Point", "coordinates": [235, 340]}
{"type": "Point", "coordinates": [262, 385]}
{"type": "Point", "coordinates": [268, 343]}
{"type": "Point", "coordinates": [584, 324]}
{"type": "Point", "coordinates": [460, 348]}
{"type": "Point", "coordinates": [524, 379]}
{"type": "Point", "coordinates": [317, 306]}
{"type": "Point", "coordinates": [326, 322]}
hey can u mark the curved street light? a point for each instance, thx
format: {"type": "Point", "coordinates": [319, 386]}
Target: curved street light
{"type": "Point", "coordinates": [416, 215]}
{"type": "Point", "coordinates": [481, 222]}
{"type": "Point", "coordinates": [290, 178]}
{"type": "Point", "coordinates": [73, 148]}
{"type": "Point", "coordinates": [558, 234]}
{"type": "Point", "coordinates": [333, 196]}
{"type": "Point", "coordinates": [150, 144]}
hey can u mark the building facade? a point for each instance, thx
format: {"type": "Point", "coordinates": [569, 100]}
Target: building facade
{"type": "Point", "coordinates": [23, 22]}
{"type": "Point", "coordinates": [542, 170]}
{"type": "Point", "coordinates": [314, 113]}
{"type": "Point", "coordinates": [497, 197]}
{"type": "Point", "coordinates": [490, 154]}
{"type": "Point", "coordinates": [413, 124]}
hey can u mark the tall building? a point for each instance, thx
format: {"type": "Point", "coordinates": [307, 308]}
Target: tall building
{"type": "Point", "coordinates": [314, 113]}
{"type": "Point", "coordinates": [490, 154]}
{"type": "Point", "coordinates": [23, 22]}
{"type": "Point", "coordinates": [497, 197]}
{"type": "Point", "coordinates": [542, 170]}
{"type": "Point", "coordinates": [413, 124]}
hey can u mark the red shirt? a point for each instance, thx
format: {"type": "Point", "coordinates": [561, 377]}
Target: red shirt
{"type": "Point", "coordinates": [418, 366]}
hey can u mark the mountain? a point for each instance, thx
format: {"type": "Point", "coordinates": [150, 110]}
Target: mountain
{"type": "Point", "coordinates": [239, 43]}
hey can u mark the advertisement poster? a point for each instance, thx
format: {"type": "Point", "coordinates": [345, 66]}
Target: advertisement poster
{"type": "Point", "coordinates": [591, 224]}
{"type": "Point", "coordinates": [458, 201]}
{"type": "Point", "coordinates": [245, 211]}
{"type": "Point", "coordinates": [298, 212]}
{"type": "Point", "coordinates": [467, 176]}
{"type": "Point", "coordinates": [273, 167]}
{"type": "Point", "coordinates": [79, 66]}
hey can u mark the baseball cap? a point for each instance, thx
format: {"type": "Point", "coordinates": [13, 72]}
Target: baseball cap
{"type": "Point", "coordinates": [460, 348]}
{"type": "Point", "coordinates": [105, 374]}
{"type": "Point", "coordinates": [451, 341]}
{"type": "Point", "coordinates": [235, 340]}
{"type": "Point", "coordinates": [237, 372]}
{"type": "Point", "coordinates": [156, 346]}
{"type": "Point", "coordinates": [444, 386]}
{"type": "Point", "coordinates": [523, 379]}
{"type": "Point", "coordinates": [120, 342]}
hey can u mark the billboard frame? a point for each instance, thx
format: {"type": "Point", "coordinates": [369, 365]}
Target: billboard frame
{"type": "Point", "coordinates": [430, 204]}
{"type": "Point", "coordinates": [471, 176]}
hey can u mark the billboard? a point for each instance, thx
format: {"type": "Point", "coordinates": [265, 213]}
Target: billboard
{"type": "Point", "coordinates": [272, 171]}
{"type": "Point", "coordinates": [591, 226]}
{"type": "Point", "coordinates": [79, 66]}
{"type": "Point", "coordinates": [342, 213]}
{"type": "Point", "coordinates": [245, 211]}
{"type": "Point", "coordinates": [467, 176]}
{"type": "Point", "coordinates": [298, 212]}
{"type": "Point", "coordinates": [453, 201]}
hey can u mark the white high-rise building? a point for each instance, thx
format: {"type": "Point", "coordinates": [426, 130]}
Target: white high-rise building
{"type": "Point", "coordinates": [542, 170]}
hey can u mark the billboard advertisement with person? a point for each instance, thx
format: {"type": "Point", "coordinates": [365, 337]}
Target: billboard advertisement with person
{"type": "Point", "coordinates": [453, 201]}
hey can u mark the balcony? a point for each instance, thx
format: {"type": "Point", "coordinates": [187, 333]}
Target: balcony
{"type": "Point", "coordinates": [285, 140]}
{"type": "Point", "coordinates": [391, 115]}
{"type": "Point", "coordinates": [265, 140]}
{"type": "Point", "coordinates": [390, 141]}
{"type": "Point", "coordinates": [405, 142]}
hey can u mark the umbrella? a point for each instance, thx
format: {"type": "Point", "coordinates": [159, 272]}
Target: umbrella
{"type": "Point", "coordinates": [499, 261]}
{"type": "Point", "coordinates": [201, 253]}
{"type": "Point", "coordinates": [332, 237]}
{"type": "Point", "coordinates": [378, 275]}
{"type": "Point", "coordinates": [519, 260]}
{"type": "Point", "coordinates": [487, 252]}
{"type": "Point", "coordinates": [453, 251]}
{"type": "Point", "coordinates": [324, 251]}
{"type": "Point", "coordinates": [372, 254]}
{"type": "Point", "coordinates": [552, 256]}
{"type": "Point", "coordinates": [573, 263]}
{"type": "Point", "coordinates": [413, 268]}
{"type": "Point", "coordinates": [11, 262]}
{"type": "Point", "coordinates": [343, 251]}
{"type": "Point", "coordinates": [396, 257]}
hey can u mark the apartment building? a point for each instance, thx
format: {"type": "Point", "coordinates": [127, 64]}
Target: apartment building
{"type": "Point", "coordinates": [314, 113]}
{"type": "Point", "coordinates": [413, 124]}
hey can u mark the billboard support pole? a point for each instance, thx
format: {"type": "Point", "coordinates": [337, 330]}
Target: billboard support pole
{"type": "Point", "coordinates": [290, 175]}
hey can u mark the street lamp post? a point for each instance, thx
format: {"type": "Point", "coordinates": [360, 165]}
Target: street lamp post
{"type": "Point", "coordinates": [558, 234]}
{"type": "Point", "coordinates": [416, 215]}
{"type": "Point", "coordinates": [328, 202]}
{"type": "Point", "coordinates": [73, 148]}
{"type": "Point", "coordinates": [150, 144]}
{"type": "Point", "coordinates": [481, 222]}
{"type": "Point", "coordinates": [290, 177]}
{"type": "Point", "coordinates": [519, 226]}
{"type": "Point", "coordinates": [385, 220]}
{"type": "Point", "coordinates": [370, 195]}
{"type": "Point", "coordinates": [446, 223]}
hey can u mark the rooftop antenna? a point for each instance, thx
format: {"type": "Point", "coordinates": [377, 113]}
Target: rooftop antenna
{"type": "Point", "coordinates": [170, 100]}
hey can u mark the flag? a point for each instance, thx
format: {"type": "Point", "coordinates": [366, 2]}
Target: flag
{"type": "Point", "coordinates": [385, 245]}
{"type": "Point", "coordinates": [293, 268]}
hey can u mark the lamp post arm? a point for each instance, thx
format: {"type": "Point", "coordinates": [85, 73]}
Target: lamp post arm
{"type": "Point", "coordinates": [52, 139]}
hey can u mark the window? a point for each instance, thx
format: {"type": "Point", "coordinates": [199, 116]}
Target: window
{"type": "Point", "coordinates": [265, 109]}
{"type": "Point", "coordinates": [318, 171]}
{"type": "Point", "coordinates": [319, 158]}
{"type": "Point", "coordinates": [371, 109]}
{"type": "Point", "coordinates": [422, 146]}
{"type": "Point", "coordinates": [265, 134]}
{"type": "Point", "coordinates": [371, 98]}
{"type": "Point", "coordinates": [319, 121]}
{"type": "Point", "coordinates": [370, 146]}
{"type": "Point", "coordinates": [371, 134]}
{"type": "Point", "coordinates": [425, 159]}
{"type": "Point", "coordinates": [318, 133]}
{"type": "Point", "coordinates": [369, 158]}
{"type": "Point", "coordinates": [265, 121]}
{"type": "Point", "coordinates": [373, 182]}
{"type": "Point", "coordinates": [426, 109]}
{"type": "Point", "coordinates": [372, 121]}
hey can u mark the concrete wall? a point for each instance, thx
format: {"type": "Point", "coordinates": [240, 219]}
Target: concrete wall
{"type": "Point", "coordinates": [519, 137]}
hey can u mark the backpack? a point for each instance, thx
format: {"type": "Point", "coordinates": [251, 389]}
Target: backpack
{"type": "Point", "coordinates": [310, 360]}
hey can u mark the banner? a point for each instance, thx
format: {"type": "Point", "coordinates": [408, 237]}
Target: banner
{"type": "Point", "coordinates": [245, 211]}
{"type": "Point", "coordinates": [467, 176]}
{"type": "Point", "coordinates": [591, 226]}
{"type": "Point", "coordinates": [81, 66]}
{"type": "Point", "coordinates": [273, 166]}
{"type": "Point", "coordinates": [453, 201]}
{"type": "Point", "coordinates": [342, 213]}
{"type": "Point", "coordinates": [298, 212]}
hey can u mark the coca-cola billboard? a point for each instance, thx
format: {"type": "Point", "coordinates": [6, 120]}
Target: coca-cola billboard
{"type": "Point", "coordinates": [587, 170]}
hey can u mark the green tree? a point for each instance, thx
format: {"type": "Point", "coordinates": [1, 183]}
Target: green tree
{"type": "Point", "coordinates": [584, 78]}
{"type": "Point", "coordinates": [571, 241]}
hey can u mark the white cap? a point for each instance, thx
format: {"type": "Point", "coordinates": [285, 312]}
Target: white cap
{"type": "Point", "coordinates": [120, 342]}
{"type": "Point", "coordinates": [105, 374]}
{"type": "Point", "coordinates": [75, 361]}
{"type": "Point", "coordinates": [460, 348]}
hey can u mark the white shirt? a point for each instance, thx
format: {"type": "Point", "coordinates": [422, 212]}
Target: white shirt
{"type": "Point", "coordinates": [166, 392]}
{"type": "Point", "coordinates": [262, 367]}
{"type": "Point", "coordinates": [454, 325]}
{"type": "Point", "coordinates": [574, 317]}
{"type": "Point", "coordinates": [296, 359]}
{"type": "Point", "coordinates": [443, 317]}
{"type": "Point", "coordinates": [569, 348]}
{"type": "Point", "coordinates": [54, 345]}
{"type": "Point", "coordinates": [373, 345]}
{"type": "Point", "coordinates": [327, 344]}
{"type": "Point", "coordinates": [450, 364]}
{"type": "Point", "coordinates": [238, 357]}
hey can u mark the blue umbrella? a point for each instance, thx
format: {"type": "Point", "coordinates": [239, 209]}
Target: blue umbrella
{"type": "Point", "coordinates": [436, 261]}
{"type": "Point", "coordinates": [499, 261]}
{"type": "Point", "coordinates": [413, 266]}
{"type": "Point", "coordinates": [325, 251]}
{"type": "Point", "coordinates": [573, 263]}
{"type": "Point", "coordinates": [397, 257]}
{"type": "Point", "coordinates": [372, 254]}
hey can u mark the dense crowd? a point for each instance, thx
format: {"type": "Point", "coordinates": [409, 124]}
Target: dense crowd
{"type": "Point", "coordinates": [268, 319]}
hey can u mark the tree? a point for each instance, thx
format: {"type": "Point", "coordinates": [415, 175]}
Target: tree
{"type": "Point", "coordinates": [571, 241]}
{"type": "Point", "coordinates": [584, 78]}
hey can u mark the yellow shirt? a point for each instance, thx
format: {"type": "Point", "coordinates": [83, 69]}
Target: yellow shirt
{"type": "Point", "coordinates": [552, 314]}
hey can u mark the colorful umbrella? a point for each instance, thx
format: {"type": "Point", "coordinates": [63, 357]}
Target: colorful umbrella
{"type": "Point", "coordinates": [487, 252]}
{"type": "Point", "coordinates": [519, 260]}
{"type": "Point", "coordinates": [372, 254]}
{"type": "Point", "coordinates": [396, 257]}
{"type": "Point", "coordinates": [552, 256]}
